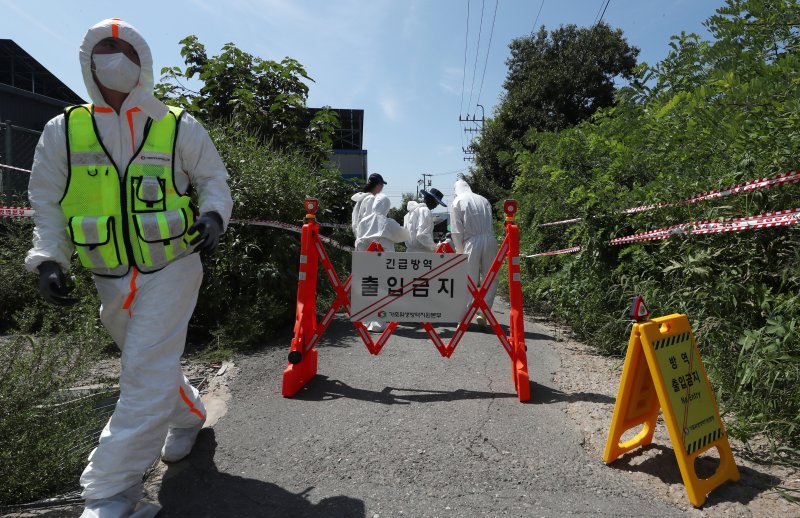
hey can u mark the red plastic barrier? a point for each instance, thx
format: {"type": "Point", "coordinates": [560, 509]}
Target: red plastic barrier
{"type": "Point", "coordinates": [302, 365]}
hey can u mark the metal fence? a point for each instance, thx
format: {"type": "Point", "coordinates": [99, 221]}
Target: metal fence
{"type": "Point", "coordinates": [17, 146]}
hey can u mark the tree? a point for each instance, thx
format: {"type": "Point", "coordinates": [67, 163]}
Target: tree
{"type": "Point", "coordinates": [250, 93]}
{"type": "Point", "coordinates": [398, 214]}
{"type": "Point", "coordinates": [555, 80]}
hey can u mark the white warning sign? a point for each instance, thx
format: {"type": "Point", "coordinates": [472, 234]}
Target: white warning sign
{"type": "Point", "coordinates": [408, 287]}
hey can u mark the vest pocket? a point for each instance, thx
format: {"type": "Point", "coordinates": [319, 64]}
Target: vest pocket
{"type": "Point", "coordinates": [148, 194]}
{"type": "Point", "coordinates": [95, 241]}
{"type": "Point", "coordinates": [160, 235]}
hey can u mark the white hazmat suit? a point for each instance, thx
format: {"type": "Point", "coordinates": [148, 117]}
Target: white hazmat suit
{"type": "Point", "coordinates": [146, 314]}
{"type": "Point", "coordinates": [472, 233]}
{"type": "Point", "coordinates": [419, 223]}
{"type": "Point", "coordinates": [378, 227]}
{"type": "Point", "coordinates": [361, 209]}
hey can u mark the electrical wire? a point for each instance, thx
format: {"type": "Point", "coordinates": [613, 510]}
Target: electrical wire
{"type": "Point", "coordinates": [533, 29]}
{"type": "Point", "coordinates": [599, 16]}
{"type": "Point", "coordinates": [477, 52]}
{"type": "Point", "coordinates": [464, 72]}
{"type": "Point", "coordinates": [486, 61]}
{"type": "Point", "coordinates": [604, 11]}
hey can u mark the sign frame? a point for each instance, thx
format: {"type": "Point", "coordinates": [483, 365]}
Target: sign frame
{"type": "Point", "coordinates": [644, 391]}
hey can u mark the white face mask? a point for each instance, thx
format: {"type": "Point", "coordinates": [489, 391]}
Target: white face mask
{"type": "Point", "coordinates": [116, 71]}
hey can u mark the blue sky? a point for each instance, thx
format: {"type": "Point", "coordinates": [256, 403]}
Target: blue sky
{"type": "Point", "coordinates": [402, 61]}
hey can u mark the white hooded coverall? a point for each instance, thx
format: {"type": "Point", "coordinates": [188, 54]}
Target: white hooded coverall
{"type": "Point", "coordinates": [419, 223]}
{"type": "Point", "coordinates": [378, 227]}
{"type": "Point", "coordinates": [361, 209]}
{"type": "Point", "coordinates": [146, 314]}
{"type": "Point", "coordinates": [472, 232]}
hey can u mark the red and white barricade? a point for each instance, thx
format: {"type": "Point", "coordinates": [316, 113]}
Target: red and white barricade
{"type": "Point", "coordinates": [302, 366]}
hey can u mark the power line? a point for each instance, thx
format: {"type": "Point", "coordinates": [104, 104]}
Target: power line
{"type": "Point", "coordinates": [533, 29]}
{"type": "Point", "coordinates": [486, 61]}
{"type": "Point", "coordinates": [477, 51]}
{"type": "Point", "coordinates": [599, 16]}
{"type": "Point", "coordinates": [604, 11]}
{"type": "Point", "coordinates": [464, 72]}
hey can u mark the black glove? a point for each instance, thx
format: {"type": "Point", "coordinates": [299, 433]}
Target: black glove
{"type": "Point", "coordinates": [53, 285]}
{"type": "Point", "coordinates": [209, 225]}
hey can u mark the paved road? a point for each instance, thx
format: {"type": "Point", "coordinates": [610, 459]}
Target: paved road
{"type": "Point", "coordinates": [406, 433]}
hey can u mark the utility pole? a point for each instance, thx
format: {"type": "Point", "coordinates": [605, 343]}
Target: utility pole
{"type": "Point", "coordinates": [469, 151]}
{"type": "Point", "coordinates": [424, 182]}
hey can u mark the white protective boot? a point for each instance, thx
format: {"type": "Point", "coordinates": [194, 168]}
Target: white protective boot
{"type": "Point", "coordinates": [180, 442]}
{"type": "Point", "coordinates": [127, 504]}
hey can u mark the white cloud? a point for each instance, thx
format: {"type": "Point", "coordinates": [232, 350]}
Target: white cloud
{"type": "Point", "coordinates": [446, 150]}
{"type": "Point", "coordinates": [33, 20]}
{"type": "Point", "coordinates": [450, 80]}
{"type": "Point", "coordinates": [391, 108]}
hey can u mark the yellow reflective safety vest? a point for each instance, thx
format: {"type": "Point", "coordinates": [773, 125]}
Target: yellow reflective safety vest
{"type": "Point", "coordinates": [137, 218]}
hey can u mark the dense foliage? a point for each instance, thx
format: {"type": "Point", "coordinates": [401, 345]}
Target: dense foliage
{"type": "Point", "coordinates": [555, 80]}
{"type": "Point", "coordinates": [711, 114]}
{"type": "Point", "coordinates": [250, 93]}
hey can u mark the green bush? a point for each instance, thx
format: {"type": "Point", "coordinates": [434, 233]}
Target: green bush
{"type": "Point", "coordinates": [710, 115]}
{"type": "Point", "coordinates": [45, 438]}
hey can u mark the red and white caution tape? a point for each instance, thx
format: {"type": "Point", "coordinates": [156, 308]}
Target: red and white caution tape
{"type": "Point", "coordinates": [769, 219]}
{"type": "Point", "coordinates": [292, 228]}
{"type": "Point", "coordinates": [562, 222]}
{"type": "Point", "coordinates": [5, 166]}
{"type": "Point", "coordinates": [16, 212]}
{"type": "Point", "coordinates": [24, 212]}
{"type": "Point", "coordinates": [753, 185]}
{"type": "Point", "coordinates": [778, 218]}
{"type": "Point", "coordinates": [571, 250]}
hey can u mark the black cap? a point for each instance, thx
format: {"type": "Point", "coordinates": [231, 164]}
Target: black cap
{"type": "Point", "coordinates": [434, 194]}
{"type": "Point", "coordinates": [373, 180]}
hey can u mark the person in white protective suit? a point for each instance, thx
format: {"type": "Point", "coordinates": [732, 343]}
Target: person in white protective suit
{"type": "Point", "coordinates": [364, 200]}
{"type": "Point", "coordinates": [379, 227]}
{"type": "Point", "coordinates": [419, 222]}
{"type": "Point", "coordinates": [386, 231]}
{"type": "Point", "coordinates": [472, 233]}
{"type": "Point", "coordinates": [138, 240]}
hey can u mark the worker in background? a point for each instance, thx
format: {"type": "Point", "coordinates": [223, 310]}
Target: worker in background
{"type": "Point", "coordinates": [386, 231]}
{"type": "Point", "coordinates": [472, 232]}
{"type": "Point", "coordinates": [419, 222]}
{"type": "Point", "coordinates": [112, 180]}
{"type": "Point", "coordinates": [364, 200]}
{"type": "Point", "coordinates": [379, 227]}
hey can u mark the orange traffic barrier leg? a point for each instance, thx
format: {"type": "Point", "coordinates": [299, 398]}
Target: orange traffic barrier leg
{"type": "Point", "coordinates": [517, 315]}
{"type": "Point", "coordinates": [302, 365]}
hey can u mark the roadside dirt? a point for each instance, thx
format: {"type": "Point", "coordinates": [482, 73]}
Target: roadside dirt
{"type": "Point", "coordinates": [654, 468]}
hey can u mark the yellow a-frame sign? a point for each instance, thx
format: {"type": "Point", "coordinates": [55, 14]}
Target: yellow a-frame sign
{"type": "Point", "coordinates": [663, 370]}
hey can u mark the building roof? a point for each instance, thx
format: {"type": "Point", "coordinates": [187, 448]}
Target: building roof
{"type": "Point", "coordinates": [20, 70]}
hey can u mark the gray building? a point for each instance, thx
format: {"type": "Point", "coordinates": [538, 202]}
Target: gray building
{"type": "Point", "coordinates": [29, 97]}
{"type": "Point", "coordinates": [348, 154]}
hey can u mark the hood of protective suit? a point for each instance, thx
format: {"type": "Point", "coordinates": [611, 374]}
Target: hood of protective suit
{"type": "Point", "coordinates": [142, 94]}
{"type": "Point", "coordinates": [411, 205]}
{"type": "Point", "coordinates": [462, 187]}
{"type": "Point", "coordinates": [357, 197]}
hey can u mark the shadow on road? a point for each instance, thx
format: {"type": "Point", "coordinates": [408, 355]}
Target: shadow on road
{"type": "Point", "coordinates": [662, 464]}
{"type": "Point", "coordinates": [322, 388]}
{"type": "Point", "coordinates": [194, 487]}
{"type": "Point", "coordinates": [545, 394]}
